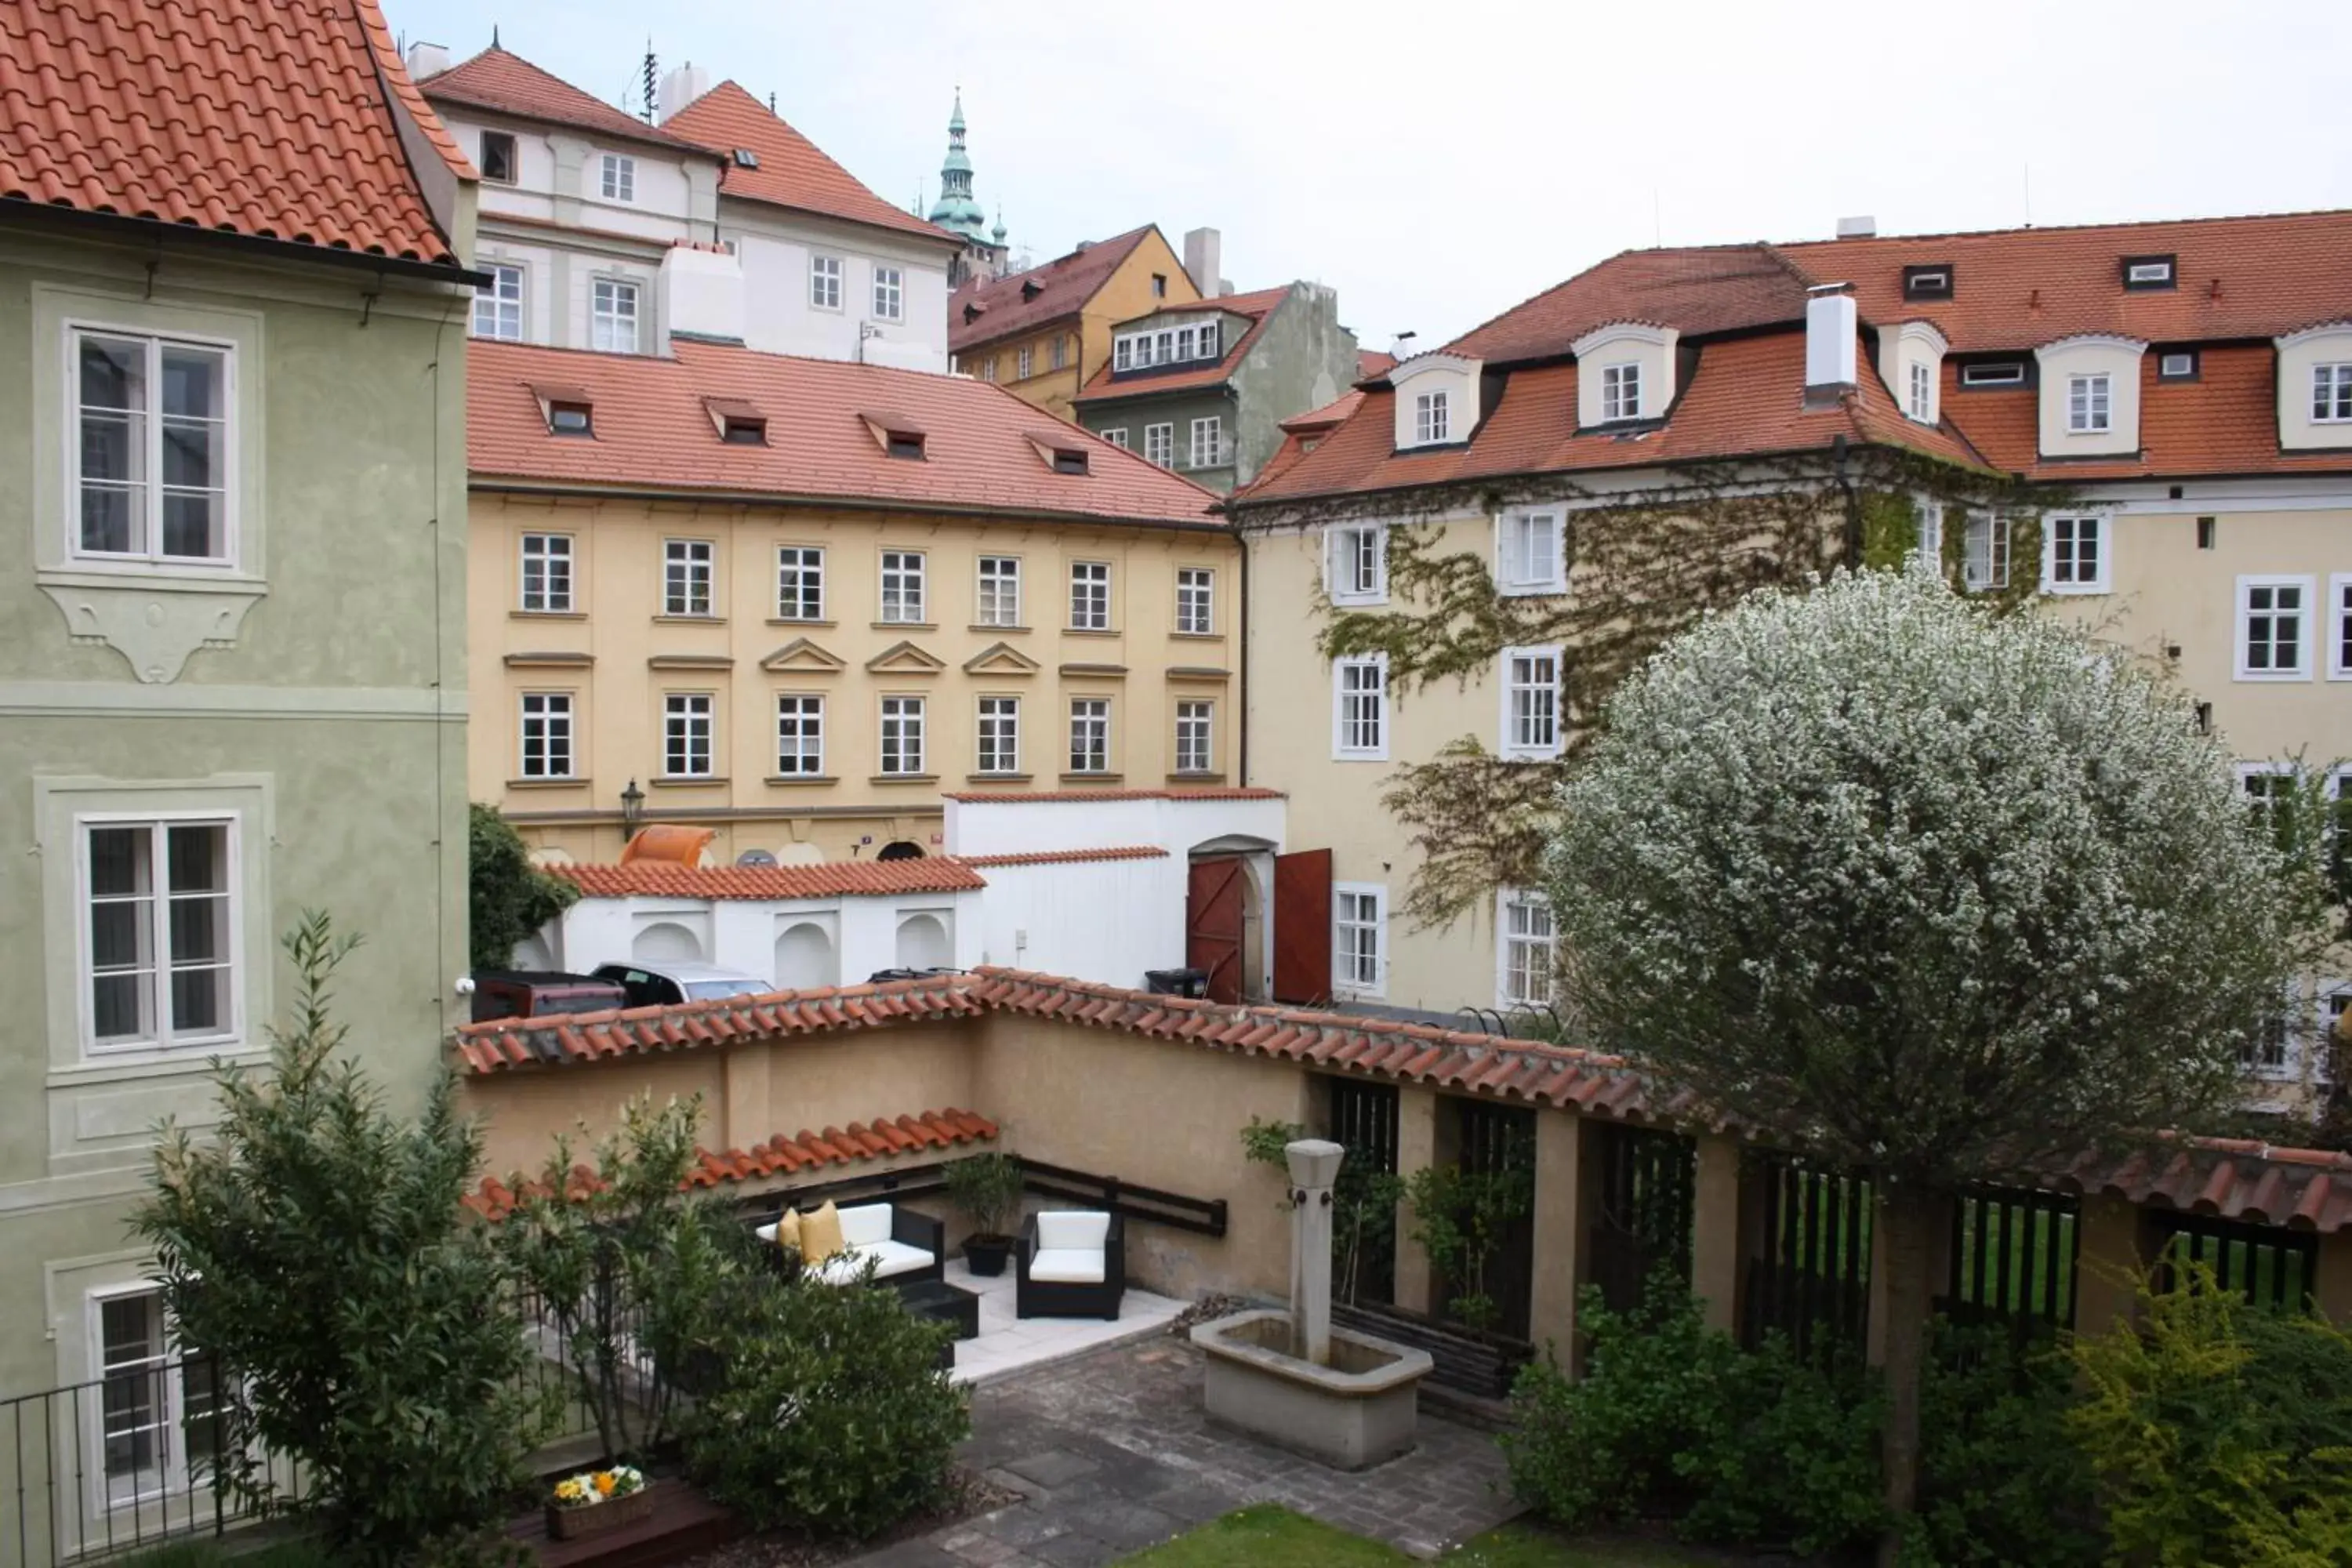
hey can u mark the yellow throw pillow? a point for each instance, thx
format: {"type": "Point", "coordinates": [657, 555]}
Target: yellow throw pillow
{"type": "Point", "coordinates": [788, 1229]}
{"type": "Point", "coordinates": [821, 1235]}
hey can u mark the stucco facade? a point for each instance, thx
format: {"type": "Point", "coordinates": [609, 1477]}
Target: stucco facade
{"type": "Point", "coordinates": [1148, 277]}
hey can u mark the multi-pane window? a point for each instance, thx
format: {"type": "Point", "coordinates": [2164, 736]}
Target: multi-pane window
{"type": "Point", "coordinates": [613, 317]}
{"type": "Point", "coordinates": [1160, 444]}
{"type": "Point", "coordinates": [799, 737]}
{"type": "Point", "coordinates": [1432, 417]}
{"type": "Point", "coordinates": [497, 160]}
{"type": "Point", "coordinates": [902, 586]}
{"type": "Point", "coordinates": [2273, 626]}
{"type": "Point", "coordinates": [1923, 391]}
{"type": "Point", "coordinates": [1620, 391]}
{"type": "Point", "coordinates": [999, 591]}
{"type": "Point", "coordinates": [151, 453]}
{"type": "Point", "coordinates": [2331, 393]}
{"type": "Point", "coordinates": [1356, 568]}
{"type": "Point", "coordinates": [1527, 956]}
{"type": "Point", "coordinates": [1209, 442]}
{"type": "Point", "coordinates": [1194, 732]}
{"type": "Point", "coordinates": [1026, 361]}
{"type": "Point", "coordinates": [546, 735]}
{"type": "Point", "coordinates": [800, 582]}
{"type": "Point", "coordinates": [685, 576]}
{"type": "Point", "coordinates": [1000, 735]}
{"type": "Point", "coordinates": [2075, 556]}
{"type": "Point", "coordinates": [902, 735]}
{"type": "Point", "coordinates": [825, 282]}
{"type": "Point", "coordinates": [498, 303]}
{"type": "Point", "coordinates": [1531, 693]}
{"type": "Point", "coordinates": [1196, 600]}
{"type": "Point", "coordinates": [618, 178]}
{"type": "Point", "coordinates": [158, 1416]}
{"type": "Point", "coordinates": [1058, 353]}
{"type": "Point", "coordinates": [1984, 553]}
{"type": "Point", "coordinates": [1360, 704]}
{"type": "Point", "coordinates": [890, 294]}
{"type": "Point", "coordinates": [2087, 403]}
{"type": "Point", "coordinates": [1090, 597]}
{"type": "Point", "coordinates": [1090, 735]}
{"type": "Point", "coordinates": [987, 369]}
{"type": "Point", "coordinates": [160, 923]}
{"type": "Point", "coordinates": [1532, 549]}
{"type": "Point", "coordinates": [547, 573]}
{"type": "Point", "coordinates": [1116, 436]}
{"type": "Point", "coordinates": [2339, 633]}
{"type": "Point", "coordinates": [685, 735]}
{"type": "Point", "coordinates": [1358, 935]}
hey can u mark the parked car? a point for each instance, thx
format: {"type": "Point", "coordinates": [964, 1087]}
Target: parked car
{"type": "Point", "coordinates": [534, 993]}
{"type": "Point", "coordinates": [658, 985]}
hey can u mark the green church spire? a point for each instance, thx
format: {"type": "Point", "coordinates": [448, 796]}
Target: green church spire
{"type": "Point", "coordinates": [956, 211]}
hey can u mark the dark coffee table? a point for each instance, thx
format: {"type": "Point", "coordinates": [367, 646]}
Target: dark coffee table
{"type": "Point", "coordinates": [944, 1303]}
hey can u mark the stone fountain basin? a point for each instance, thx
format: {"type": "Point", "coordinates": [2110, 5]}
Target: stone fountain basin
{"type": "Point", "coordinates": [1357, 1411]}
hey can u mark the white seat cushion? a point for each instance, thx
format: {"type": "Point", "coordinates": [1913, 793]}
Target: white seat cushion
{"type": "Point", "coordinates": [1067, 1266]}
{"type": "Point", "coordinates": [1072, 1230]}
{"type": "Point", "coordinates": [864, 1225]}
{"type": "Point", "coordinates": [767, 1233]}
{"type": "Point", "coordinates": [889, 1258]}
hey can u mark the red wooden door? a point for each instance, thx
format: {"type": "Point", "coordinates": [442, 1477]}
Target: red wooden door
{"type": "Point", "coordinates": [1213, 925]}
{"type": "Point", "coordinates": [1302, 926]}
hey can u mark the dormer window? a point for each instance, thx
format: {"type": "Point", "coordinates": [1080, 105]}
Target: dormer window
{"type": "Point", "coordinates": [908, 447]}
{"type": "Point", "coordinates": [2331, 394]}
{"type": "Point", "coordinates": [1167, 345]}
{"type": "Point", "coordinates": [2148, 272]}
{"type": "Point", "coordinates": [1060, 453]}
{"type": "Point", "coordinates": [1430, 419]}
{"type": "Point", "coordinates": [1933, 282]}
{"type": "Point", "coordinates": [1620, 391]}
{"type": "Point", "coordinates": [2088, 403]}
{"type": "Point", "coordinates": [1031, 288]}
{"type": "Point", "coordinates": [746, 159]}
{"type": "Point", "coordinates": [569, 410]}
{"type": "Point", "coordinates": [1911, 367]}
{"type": "Point", "coordinates": [1069, 461]}
{"type": "Point", "coordinates": [2177, 364]}
{"type": "Point", "coordinates": [898, 436]}
{"type": "Point", "coordinates": [1920, 403]}
{"type": "Point", "coordinates": [1999, 373]}
{"type": "Point", "coordinates": [2090, 397]}
{"type": "Point", "coordinates": [739, 424]}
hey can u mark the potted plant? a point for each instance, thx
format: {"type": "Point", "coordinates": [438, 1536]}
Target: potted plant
{"type": "Point", "coordinates": [987, 1188]}
{"type": "Point", "coordinates": [594, 1502]}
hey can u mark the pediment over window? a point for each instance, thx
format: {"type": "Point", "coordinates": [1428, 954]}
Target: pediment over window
{"type": "Point", "coordinates": [802, 656]}
{"type": "Point", "coordinates": [905, 658]}
{"type": "Point", "coordinates": [1000, 658]}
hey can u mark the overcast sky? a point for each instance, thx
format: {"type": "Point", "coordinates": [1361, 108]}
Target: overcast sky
{"type": "Point", "coordinates": [1440, 161]}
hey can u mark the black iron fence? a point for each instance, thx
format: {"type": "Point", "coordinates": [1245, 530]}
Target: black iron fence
{"type": "Point", "coordinates": [1641, 1221]}
{"type": "Point", "coordinates": [2014, 1253]}
{"type": "Point", "coordinates": [1809, 1278]}
{"type": "Point", "coordinates": [2269, 1265]}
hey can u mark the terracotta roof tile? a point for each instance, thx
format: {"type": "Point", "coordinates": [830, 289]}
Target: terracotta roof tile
{"type": "Point", "coordinates": [1332, 413]}
{"type": "Point", "coordinates": [1696, 290]}
{"type": "Point", "coordinates": [2230, 1178]}
{"type": "Point", "coordinates": [1065, 857]}
{"type": "Point", "coordinates": [652, 432]}
{"type": "Point", "coordinates": [274, 121]}
{"type": "Point", "coordinates": [793, 171]}
{"type": "Point", "coordinates": [505, 83]}
{"type": "Point", "coordinates": [1257, 307]}
{"type": "Point", "coordinates": [931, 873]}
{"type": "Point", "coordinates": [1371, 363]}
{"type": "Point", "coordinates": [1022, 301]}
{"type": "Point", "coordinates": [1087, 796]}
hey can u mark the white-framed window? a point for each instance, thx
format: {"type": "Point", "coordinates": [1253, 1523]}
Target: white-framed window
{"type": "Point", "coordinates": [1209, 442]}
{"type": "Point", "coordinates": [159, 900]}
{"type": "Point", "coordinates": [2088, 403]}
{"type": "Point", "coordinates": [1359, 707]}
{"type": "Point", "coordinates": [902, 587]}
{"type": "Point", "coordinates": [1116, 436]}
{"type": "Point", "coordinates": [618, 178]}
{"type": "Point", "coordinates": [2331, 394]}
{"type": "Point", "coordinates": [1531, 702]}
{"type": "Point", "coordinates": [987, 369]}
{"type": "Point", "coordinates": [686, 734]}
{"type": "Point", "coordinates": [612, 316]}
{"type": "Point", "coordinates": [1984, 552]}
{"type": "Point", "coordinates": [1930, 514]}
{"type": "Point", "coordinates": [1620, 391]}
{"type": "Point", "coordinates": [547, 573]}
{"type": "Point", "coordinates": [1058, 353]}
{"type": "Point", "coordinates": [825, 282]}
{"type": "Point", "coordinates": [1089, 596]}
{"type": "Point", "coordinates": [1356, 562]}
{"type": "Point", "coordinates": [1922, 402]}
{"type": "Point", "coordinates": [1433, 418]}
{"type": "Point", "coordinates": [2340, 626]}
{"type": "Point", "coordinates": [800, 582]}
{"type": "Point", "coordinates": [1025, 362]}
{"type": "Point", "coordinates": [1524, 936]}
{"type": "Point", "coordinates": [902, 736]}
{"type": "Point", "coordinates": [1000, 735]}
{"type": "Point", "coordinates": [497, 161]}
{"type": "Point", "coordinates": [890, 296]}
{"type": "Point", "coordinates": [1195, 736]}
{"type": "Point", "coordinates": [1122, 354]}
{"type": "Point", "coordinates": [2274, 622]}
{"type": "Point", "coordinates": [547, 735]}
{"type": "Point", "coordinates": [1530, 554]}
{"type": "Point", "coordinates": [685, 576]}
{"type": "Point", "coordinates": [799, 736]}
{"type": "Point", "coordinates": [498, 303]}
{"type": "Point", "coordinates": [1360, 938]}
{"type": "Point", "coordinates": [1159, 444]}
{"type": "Point", "coordinates": [1196, 601]}
{"type": "Point", "coordinates": [153, 450]}
{"type": "Point", "coordinates": [999, 591]}
{"type": "Point", "coordinates": [155, 1427]}
{"type": "Point", "coordinates": [1090, 734]}
{"type": "Point", "coordinates": [2075, 557]}
{"type": "Point", "coordinates": [2269, 1053]}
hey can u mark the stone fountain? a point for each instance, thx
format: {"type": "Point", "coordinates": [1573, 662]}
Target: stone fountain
{"type": "Point", "coordinates": [1342, 1397]}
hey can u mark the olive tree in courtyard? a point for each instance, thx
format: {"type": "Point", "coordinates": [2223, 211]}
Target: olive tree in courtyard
{"type": "Point", "coordinates": [1941, 895]}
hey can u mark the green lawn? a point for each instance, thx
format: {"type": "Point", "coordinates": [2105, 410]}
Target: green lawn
{"type": "Point", "coordinates": [1270, 1537]}
{"type": "Point", "coordinates": [209, 1555]}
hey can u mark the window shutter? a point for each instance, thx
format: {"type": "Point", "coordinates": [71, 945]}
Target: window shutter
{"type": "Point", "coordinates": [1334, 568]}
{"type": "Point", "coordinates": [1515, 564]}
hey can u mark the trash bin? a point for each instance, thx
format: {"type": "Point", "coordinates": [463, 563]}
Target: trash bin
{"type": "Point", "coordinates": [1176, 981]}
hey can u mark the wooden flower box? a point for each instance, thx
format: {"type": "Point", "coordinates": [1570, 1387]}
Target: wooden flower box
{"type": "Point", "coordinates": [596, 1517]}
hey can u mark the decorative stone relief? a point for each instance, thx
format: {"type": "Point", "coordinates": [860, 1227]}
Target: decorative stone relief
{"type": "Point", "coordinates": [156, 627]}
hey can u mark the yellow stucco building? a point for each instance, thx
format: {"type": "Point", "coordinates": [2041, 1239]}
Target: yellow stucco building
{"type": "Point", "coordinates": [1041, 333]}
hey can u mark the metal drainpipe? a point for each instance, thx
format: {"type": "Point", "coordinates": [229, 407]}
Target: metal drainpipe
{"type": "Point", "coordinates": [1242, 771]}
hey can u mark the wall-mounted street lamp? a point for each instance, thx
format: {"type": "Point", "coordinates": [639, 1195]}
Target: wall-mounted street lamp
{"type": "Point", "coordinates": [632, 806]}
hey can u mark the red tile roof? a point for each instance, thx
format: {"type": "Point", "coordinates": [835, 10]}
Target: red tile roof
{"type": "Point", "coordinates": [1696, 291]}
{"type": "Point", "coordinates": [2232, 1178]}
{"type": "Point", "coordinates": [1371, 363]}
{"type": "Point", "coordinates": [1063, 285]}
{"type": "Point", "coordinates": [653, 432]}
{"type": "Point", "coordinates": [1067, 857]}
{"type": "Point", "coordinates": [1256, 307]}
{"type": "Point", "coordinates": [793, 172]}
{"type": "Point", "coordinates": [506, 83]}
{"type": "Point", "coordinates": [661, 878]}
{"type": "Point", "coordinates": [882, 1139]}
{"type": "Point", "coordinates": [1332, 413]}
{"type": "Point", "coordinates": [269, 121]}
{"type": "Point", "coordinates": [1083, 797]}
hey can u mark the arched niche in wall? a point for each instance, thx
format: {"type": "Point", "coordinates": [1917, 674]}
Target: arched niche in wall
{"type": "Point", "coordinates": [923, 943]}
{"type": "Point", "coordinates": [666, 942]}
{"type": "Point", "coordinates": [805, 959]}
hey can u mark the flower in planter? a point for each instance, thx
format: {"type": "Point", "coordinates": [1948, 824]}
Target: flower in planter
{"type": "Point", "coordinates": [592, 1487]}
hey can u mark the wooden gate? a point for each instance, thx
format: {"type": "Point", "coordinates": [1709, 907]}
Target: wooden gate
{"type": "Point", "coordinates": [1810, 1276]}
{"type": "Point", "coordinates": [1643, 1221]}
{"type": "Point", "coordinates": [1213, 925]}
{"type": "Point", "coordinates": [1302, 927]}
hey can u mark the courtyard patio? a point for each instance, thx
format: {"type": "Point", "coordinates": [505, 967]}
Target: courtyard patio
{"type": "Point", "coordinates": [1008, 1345]}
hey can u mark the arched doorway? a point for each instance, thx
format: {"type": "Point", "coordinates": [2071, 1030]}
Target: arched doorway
{"type": "Point", "coordinates": [666, 942]}
{"type": "Point", "coordinates": [923, 943]}
{"type": "Point", "coordinates": [900, 850]}
{"type": "Point", "coordinates": [804, 958]}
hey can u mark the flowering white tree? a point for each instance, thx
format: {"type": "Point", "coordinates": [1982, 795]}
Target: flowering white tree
{"type": "Point", "coordinates": [1942, 895]}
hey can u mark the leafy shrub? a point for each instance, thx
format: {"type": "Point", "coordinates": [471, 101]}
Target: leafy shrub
{"type": "Point", "coordinates": [508, 898]}
{"type": "Point", "coordinates": [1787, 1453]}
{"type": "Point", "coordinates": [2001, 1481]}
{"type": "Point", "coordinates": [987, 1188]}
{"type": "Point", "coordinates": [1460, 1217]}
{"type": "Point", "coordinates": [832, 1412]}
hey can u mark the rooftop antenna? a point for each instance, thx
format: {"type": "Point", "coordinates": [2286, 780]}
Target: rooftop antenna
{"type": "Point", "coordinates": [647, 110]}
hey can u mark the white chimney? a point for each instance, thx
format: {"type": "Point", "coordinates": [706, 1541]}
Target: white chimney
{"type": "Point", "coordinates": [702, 293]}
{"type": "Point", "coordinates": [1203, 259]}
{"type": "Point", "coordinates": [680, 87]}
{"type": "Point", "coordinates": [1830, 324]}
{"type": "Point", "coordinates": [427, 59]}
{"type": "Point", "coordinates": [1862, 227]}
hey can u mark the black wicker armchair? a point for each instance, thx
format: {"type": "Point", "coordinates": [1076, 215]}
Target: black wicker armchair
{"type": "Point", "coordinates": [1070, 1264]}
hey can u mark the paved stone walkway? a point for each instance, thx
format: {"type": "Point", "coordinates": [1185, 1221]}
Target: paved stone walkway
{"type": "Point", "coordinates": [1112, 1454]}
